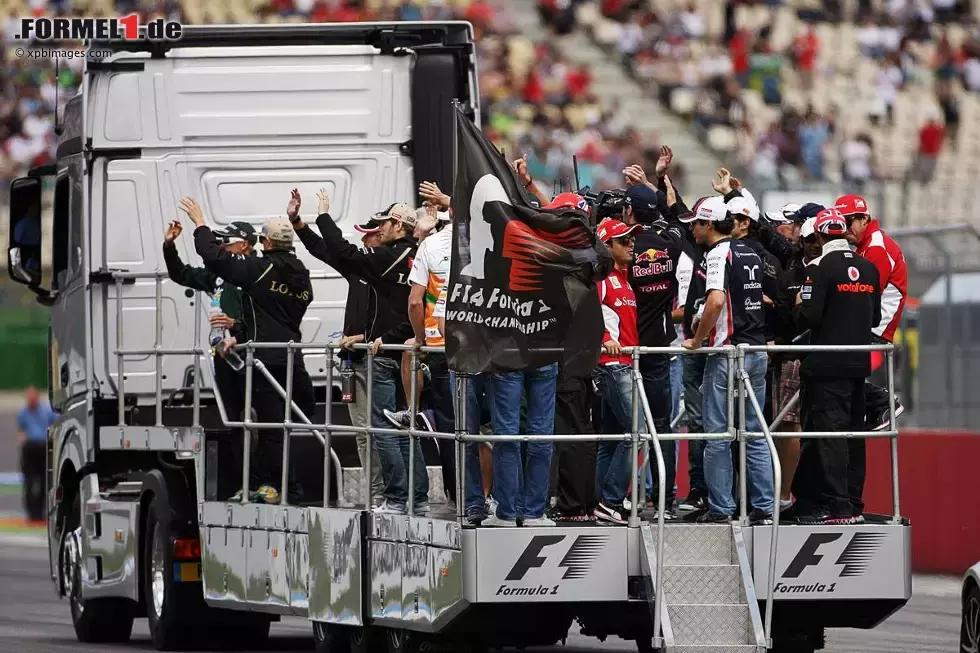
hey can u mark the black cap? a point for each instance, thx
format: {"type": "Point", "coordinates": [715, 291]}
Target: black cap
{"type": "Point", "coordinates": [807, 211]}
{"type": "Point", "coordinates": [645, 202]}
{"type": "Point", "coordinates": [241, 230]}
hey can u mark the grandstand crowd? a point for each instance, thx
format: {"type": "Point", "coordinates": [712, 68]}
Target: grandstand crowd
{"type": "Point", "coordinates": [789, 91]}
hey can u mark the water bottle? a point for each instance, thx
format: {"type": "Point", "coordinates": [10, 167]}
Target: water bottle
{"type": "Point", "coordinates": [218, 334]}
{"type": "Point", "coordinates": [347, 383]}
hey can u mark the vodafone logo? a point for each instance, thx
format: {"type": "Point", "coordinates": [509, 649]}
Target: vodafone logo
{"type": "Point", "coordinates": [853, 274]}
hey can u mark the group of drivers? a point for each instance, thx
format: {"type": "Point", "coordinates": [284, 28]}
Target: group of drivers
{"type": "Point", "coordinates": [716, 273]}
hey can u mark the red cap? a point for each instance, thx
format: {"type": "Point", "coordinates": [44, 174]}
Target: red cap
{"type": "Point", "coordinates": [851, 205]}
{"type": "Point", "coordinates": [609, 229]}
{"type": "Point", "coordinates": [831, 222]}
{"type": "Point", "coordinates": [568, 201]}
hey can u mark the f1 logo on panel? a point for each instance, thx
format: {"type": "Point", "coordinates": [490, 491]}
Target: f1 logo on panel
{"type": "Point", "coordinates": [555, 561]}
{"type": "Point", "coordinates": [852, 562]}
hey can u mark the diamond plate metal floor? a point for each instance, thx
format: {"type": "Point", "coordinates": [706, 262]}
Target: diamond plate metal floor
{"type": "Point", "coordinates": [704, 589]}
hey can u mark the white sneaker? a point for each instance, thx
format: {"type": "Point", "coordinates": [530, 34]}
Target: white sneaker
{"type": "Point", "coordinates": [401, 419]}
{"type": "Point", "coordinates": [491, 505]}
{"type": "Point", "coordinates": [386, 508]}
{"type": "Point", "coordinates": [539, 522]}
{"type": "Point", "coordinates": [495, 522]}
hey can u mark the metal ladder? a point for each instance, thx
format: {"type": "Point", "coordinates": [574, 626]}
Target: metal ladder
{"type": "Point", "coordinates": [709, 598]}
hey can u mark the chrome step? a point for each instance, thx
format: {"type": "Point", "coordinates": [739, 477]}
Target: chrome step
{"type": "Point", "coordinates": [710, 623]}
{"type": "Point", "coordinates": [703, 584]}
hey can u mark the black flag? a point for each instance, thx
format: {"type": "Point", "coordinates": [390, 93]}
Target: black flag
{"type": "Point", "coordinates": [522, 281]}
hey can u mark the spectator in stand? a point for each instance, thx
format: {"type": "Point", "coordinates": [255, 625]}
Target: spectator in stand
{"type": "Point", "coordinates": [806, 47]}
{"type": "Point", "coordinates": [614, 375]}
{"type": "Point", "coordinates": [931, 137]}
{"type": "Point", "coordinates": [814, 135]}
{"type": "Point", "coordinates": [765, 69]}
{"type": "Point", "coordinates": [731, 314]}
{"type": "Point", "coordinates": [856, 160]}
{"type": "Point", "coordinates": [839, 302]}
{"type": "Point", "coordinates": [873, 244]}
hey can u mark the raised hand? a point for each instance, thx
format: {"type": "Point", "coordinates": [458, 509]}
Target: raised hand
{"type": "Point", "coordinates": [430, 192]}
{"type": "Point", "coordinates": [666, 156]}
{"type": "Point", "coordinates": [323, 201]}
{"type": "Point", "coordinates": [723, 185]}
{"type": "Point", "coordinates": [193, 211]}
{"type": "Point", "coordinates": [173, 231]}
{"type": "Point", "coordinates": [292, 207]}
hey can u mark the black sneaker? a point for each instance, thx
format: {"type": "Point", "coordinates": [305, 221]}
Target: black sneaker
{"type": "Point", "coordinates": [696, 500]}
{"type": "Point", "coordinates": [759, 518]}
{"type": "Point", "coordinates": [714, 518]}
{"type": "Point", "coordinates": [811, 518]}
{"type": "Point", "coordinates": [880, 421]}
{"type": "Point", "coordinates": [845, 520]}
{"type": "Point", "coordinates": [609, 515]}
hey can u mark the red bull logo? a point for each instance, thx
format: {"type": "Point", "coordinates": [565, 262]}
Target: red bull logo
{"type": "Point", "coordinates": [651, 255]}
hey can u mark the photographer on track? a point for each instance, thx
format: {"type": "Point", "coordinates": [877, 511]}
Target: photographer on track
{"type": "Point", "coordinates": [386, 269]}
{"type": "Point", "coordinates": [840, 302]}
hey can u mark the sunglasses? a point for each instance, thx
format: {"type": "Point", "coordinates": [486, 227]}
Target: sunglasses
{"type": "Point", "coordinates": [625, 241]}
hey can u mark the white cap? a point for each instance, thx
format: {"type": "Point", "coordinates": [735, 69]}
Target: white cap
{"type": "Point", "coordinates": [806, 229]}
{"type": "Point", "coordinates": [784, 214]}
{"type": "Point", "coordinates": [744, 206]}
{"type": "Point", "coordinates": [711, 209]}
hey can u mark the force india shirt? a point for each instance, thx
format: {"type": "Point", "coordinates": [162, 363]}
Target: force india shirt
{"type": "Point", "coordinates": [431, 270]}
{"type": "Point", "coordinates": [618, 315]}
{"type": "Point", "coordinates": [735, 269]}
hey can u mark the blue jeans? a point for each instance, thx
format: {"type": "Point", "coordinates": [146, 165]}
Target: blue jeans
{"type": "Point", "coordinates": [393, 449]}
{"type": "Point", "coordinates": [614, 384]}
{"type": "Point", "coordinates": [676, 386]}
{"type": "Point", "coordinates": [718, 453]}
{"type": "Point", "coordinates": [509, 478]}
{"type": "Point", "coordinates": [475, 502]}
{"type": "Point", "coordinates": [655, 370]}
{"type": "Point", "coordinates": [693, 377]}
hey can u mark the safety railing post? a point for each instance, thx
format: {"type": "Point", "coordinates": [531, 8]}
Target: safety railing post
{"type": "Point", "coordinates": [661, 501]}
{"type": "Point", "coordinates": [412, 410]}
{"type": "Point", "coordinates": [368, 432]}
{"type": "Point", "coordinates": [893, 440]}
{"type": "Point", "coordinates": [746, 388]}
{"type": "Point", "coordinates": [462, 398]}
{"type": "Point", "coordinates": [328, 431]}
{"type": "Point", "coordinates": [120, 357]}
{"type": "Point", "coordinates": [247, 420]}
{"type": "Point", "coordinates": [634, 519]}
{"type": "Point", "coordinates": [157, 345]}
{"type": "Point", "coordinates": [732, 430]}
{"type": "Point", "coordinates": [197, 362]}
{"type": "Point", "coordinates": [743, 491]}
{"type": "Point", "coordinates": [287, 423]}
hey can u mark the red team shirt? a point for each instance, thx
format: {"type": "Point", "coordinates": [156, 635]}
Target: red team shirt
{"type": "Point", "coordinates": [618, 315]}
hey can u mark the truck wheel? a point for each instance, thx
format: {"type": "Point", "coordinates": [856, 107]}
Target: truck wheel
{"type": "Point", "coordinates": [403, 641]}
{"type": "Point", "coordinates": [795, 643]}
{"type": "Point", "coordinates": [174, 610]}
{"type": "Point", "coordinates": [96, 621]}
{"type": "Point", "coordinates": [331, 638]}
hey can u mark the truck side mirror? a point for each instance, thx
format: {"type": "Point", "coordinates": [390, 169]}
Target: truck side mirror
{"type": "Point", "coordinates": [24, 232]}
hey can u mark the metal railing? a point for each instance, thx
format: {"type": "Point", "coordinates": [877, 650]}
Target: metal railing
{"type": "Point", "coordinates": [738, 384]}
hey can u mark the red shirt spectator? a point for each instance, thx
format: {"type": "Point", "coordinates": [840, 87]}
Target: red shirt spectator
{"type": "Point", "coordinates": [806, 48]}
{"type": "Point", "coordinates": [738, 49]}
{"type": "Point", "coordinates": [480, 13]}
{"type": "Point", "coordinates": [931, 138]}
{"type": "Point", "coordinates": [578, 82]}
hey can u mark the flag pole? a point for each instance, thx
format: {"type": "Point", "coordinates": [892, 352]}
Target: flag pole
{"type": "Point", "coordinates": [578, 185]}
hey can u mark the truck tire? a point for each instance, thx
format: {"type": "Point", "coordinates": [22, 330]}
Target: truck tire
{"type": "Point", "coordinates": [96, 621]}
{"type": "Point", "coordinates": [174, 610]}
{"type": "Point", "coordinates": [400, 640]}
{"type": "Point", "coordinates": [331, 638]}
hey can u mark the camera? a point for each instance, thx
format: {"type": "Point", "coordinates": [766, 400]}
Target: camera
{"type": "Point", "coordinates": [605, 203]}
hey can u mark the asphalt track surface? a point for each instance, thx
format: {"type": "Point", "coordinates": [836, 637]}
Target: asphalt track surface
{"type": "Point", "coordinates": [34, 620]}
